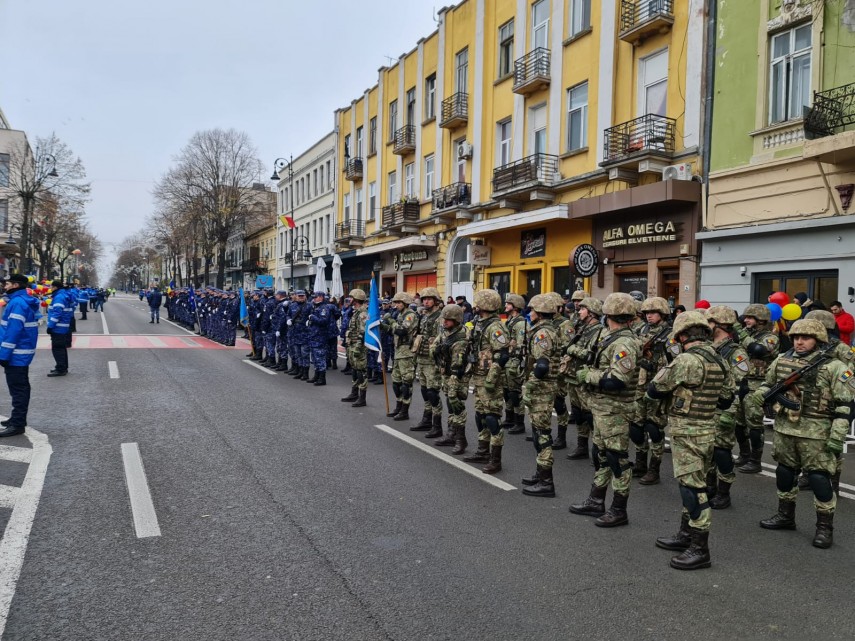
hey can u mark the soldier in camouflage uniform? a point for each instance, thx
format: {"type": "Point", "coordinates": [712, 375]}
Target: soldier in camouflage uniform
{"type": "Point", "coordinates": [354, 342]}
{"type": "Point", "coordinates": [515, 368]}
{"type": "Point", "coordinates": [648, 430]}
{"type": "Point", "coordinates": [430, 380]}
{"type": "Point", "coordinates": [638, 321]}
{"type": "Point", "coordinates": [450, 352]}
{"type": "Point", "coordinates": [612, 379]}
{"type": "Point", "coordinates": [762, 347]}
{"type": "Point", "coordinates": [404, 368]}
{"type": "Point", "coordinates": [543, 363]}
{"type": "Point", "coordinates": [489, 353]}
{"type": "Point", "coordinates": [810, 427]}
{"type": "Point", "coordinates": [720, 474]}
{"type": "Point", "coordinates": [693, 389]}
{"type": "Point", "coordinates": [581, 349]}
{"type": "Point", "coordinates": [565, 331]}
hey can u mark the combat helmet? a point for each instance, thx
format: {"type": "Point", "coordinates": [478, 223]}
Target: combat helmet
{"type": "Point", "coordinates": [689, 320]}
{"type": "Point", "coordinates": [593, 305]}
{"type": "Point", "coordinates": [452, 312]}
{"type": "Point", "coordinates": [758, 311]}
{"type": "Point", "coordinates": [358, 294]}
{"type": "Point", "coordinates": [516, 300]}
{"type": "Point", "coordinates": [619, 304]}
{"type": "Point", "coordinates": [824, 317]}
{"type": "Point", "coordinates": [579, 295]}
{"type": "Point", "coordinates": [430, 292]}
{"type": "Point", "coordinates": [721, 314]}
{"type": "Point", "coordinates": [487, 300]}
{"type": "Point", "coordinates": [542, 304]}
{"type": "Point", "coordinates": [402, 297]}
{"type": "Point", "coordinates": [656, 304]}
{"type": "Point", "coordinates": [809, 327]}
{"type": "Point", "coordinates": [637, 295]}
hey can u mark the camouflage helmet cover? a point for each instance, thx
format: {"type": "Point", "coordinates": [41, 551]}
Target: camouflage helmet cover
{"type": "Point", "coordinates": [402, 297]}
{"type": "Point", "coordinates": [579, 295]}
{"type": "Point", "coordinates": [358, 294]}
{"type": "Point", "coordinates": [516, 300]}
{"type": "Point", "coordinates": [452, 312]}
{"type": "Point", "coordinates": [430, 292]}
{"type": "Point", "coordinates": [826, 318]}
{"type": "Point", "coordinates": [656, 304]}
{"type": "Point", "coordinates": [758, 311]}
{"type": "Point", "coordinates": [542, 304]}
{"type": "Point", "coordinates": [488, 300]}
{"type": "Point", "coordinates": [619, 304]}
{"type": "Point", "coordinates": [593, 305]}
{"type": "Point", "coordinates": [687, 320]}
{"type": "Point", "coordinates": [721, 314]}
{"type": "Point", "coordinates": [809, 327]}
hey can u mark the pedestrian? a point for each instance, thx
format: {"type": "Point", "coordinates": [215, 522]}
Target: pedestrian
{"type": "Point", "coordinates": [155, 298]}
{"type": "Point", "coordinates": [845, 322]}
{"type": "Point", "coordinates": [19, 334]}
{"type": "Point", "coordinates": [60, 313]}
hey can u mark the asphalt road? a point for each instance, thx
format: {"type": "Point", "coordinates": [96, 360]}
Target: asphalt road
{"type": "Point", "coordinates": [285, 514]}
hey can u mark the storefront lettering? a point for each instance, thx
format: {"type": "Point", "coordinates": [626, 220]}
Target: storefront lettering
{"type": "Point", "coordinates": [413, 256]}
{"type": "Point", "coordinates": [533, 243]}
{"type": "Point", "coordinates": [640, 233]}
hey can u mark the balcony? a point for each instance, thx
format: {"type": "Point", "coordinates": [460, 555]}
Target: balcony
{"type": "Point", "coordinates": [350, 233]}
{"type": "Point", "coordinates": [530, 179]}
{"type": "Point", "coordinates": [825, 125]}
{"type": "Point", "coordinates": [253, 266]}
{"type": "Point", "coordinates": [455, 111]}
{"type": "Point", "coordinates": [353, 169]}
{"type": "Point", "coordinates": [640, 19]}
{"type": "Point", "coordinates": [401, 217]}
{"type": "Point", "coordinates": [531, 72]}
{"type": "Point", "coordinates": [648, 138]}
{"type": "Point", "coordinates": [451, 203]}
{"type": "Point", "coordinates": [405, 140]}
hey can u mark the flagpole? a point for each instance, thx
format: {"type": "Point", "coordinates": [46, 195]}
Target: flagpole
{"type": "Point", "coordinates": [383, 374]}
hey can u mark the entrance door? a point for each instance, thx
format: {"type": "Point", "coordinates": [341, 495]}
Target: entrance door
{"type": "Point", "coordinates": [501, 282]}
{"type": "Point", "coordinates": [532, 282]}
{"type": "Point", "coordinates": [671, 287]}
{"type": "Point", "coordinates": [388, 289]}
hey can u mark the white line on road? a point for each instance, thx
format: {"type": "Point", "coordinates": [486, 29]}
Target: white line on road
{"type": "Point", "coordinates": [13, 545]}
{"type": "Point", "coordinates": [8, 495]}
{"type": "Point", "coordinates": [114, 369]}
{"type": "Point", "coordinates": [442, 456]}
{"type": "Point", "coordinates": [145, 519]}
{"type": "Point", "coordinates": [17, 454]}
{"type": "Point", "coordinates": [259, 367]}
{"type": "Point", "coordinates": [104, 323]}
{"type": "Point", "coordinates": [156, 341]}
{"type": "Point", "coordinates": [183, 329]}
{"type": "Point", "coordinates": [82, 342]}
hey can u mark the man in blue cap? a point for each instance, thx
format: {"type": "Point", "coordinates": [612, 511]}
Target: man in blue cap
{"type": "Point", "coordinates": [60, 313]}
{"type": "Point", "coordinates": [298, 334]}
{"type": "Point", "coordinates": [19, 334]}
{"type": "Point", "coordinates": [319, 327]}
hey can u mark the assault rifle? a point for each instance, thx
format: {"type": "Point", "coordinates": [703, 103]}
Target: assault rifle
{"type": "Point", "coordinates": [647, 348]}
{"type": "Point", "coordinates": [776, 393]}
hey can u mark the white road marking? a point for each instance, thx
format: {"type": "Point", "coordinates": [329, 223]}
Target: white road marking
{"type": "Point", "coordinates": [17, 454]}
{"type": "Point", "coordinates": [83, 341]}
{"type": "Point", "coordinates": [183, 329]}
{"type": "Point", "coordinates": [113, 368]}
{"type": "Point", "coordinates": [8, 495]}
{"type": "Point", "coordinates": [142, 507]}
{"type": "Point", "coordinates": [104, 323]}
{"type": "Point", "coordinates": [13, 545]}
{"type": "Point", "coordinates": [442, 456]}
{"type": "Point", "coordinates": [188, 342]}
{"type": "Point", "coordinates": [259, 367]}
{"type": "Point", "coordinates": [119, 341]}
{"type": "Point", "coordinates": [157, 342]}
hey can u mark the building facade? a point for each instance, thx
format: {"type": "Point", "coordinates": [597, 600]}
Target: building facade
{"type": "Point", "coordinates": [13, 143]}
{"type": "Point", "coordinates": [779, 216]}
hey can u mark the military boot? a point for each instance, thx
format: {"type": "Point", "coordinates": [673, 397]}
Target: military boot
{"type": "Point", "coordinates": [679, 541]}
{"type": "Point", "coordinates": [616, 514]}
{"type": "Point", "coordinates": [640, 467]}
{"type": "Point", "coordinates": [519, 424]}
{"type": "Point", "coordinates": [371, 376]}
{"type": "Point", "coordinates": [531, 480]}
{"type": "Point", "coordinates": [495, 464]}
{"type": "Point", "coordinates": [544, 487]}
{"type": "Point", "coordinates": [282, 366]}
{"type": "Point", "coordinates": [436, 429]}
{"type": "Point", "coordinates": [824, 536]}
{"type": "Point", "coordinates": [783, 519]}
{"type": "Point", "coordinates": [460, 442]}
{"type": "Point", "coordinates": [334, 362]}
{"type": "Point", "coordinates": [448, 439]}
{"type": "Point", "coordinates": [581, 450]}
{"type": "Point", "coordinates": [305, 375]}
{"type": "Point", "coordinates": [697, 555]}
{"type": "Point", "coordinates": [652, 475]}
{"type": "Point", "coordinates": [425, 424]}
{"type": "Point", "coordinates": [508, 423]}
{"type": "Point", "coordinates": [561, 442]}
{"type": "Point", "coordinates": [293, 369]}
{"type": "Point", "coordinates": [721, 500]}
{"type": "Point", "coordinates": [360, 402]}
{"type": "Point", "coordinates": [396, 409]}
{"type": "Point", "coordinates": [594, 505]}
{"type": "Point", "coordinates": [378, 378]}
{"type": "Point", "coordinates": [753, 465]}
{"type": "Point", "coordinates": [744, 453]}
{"type": "Point", "coordinates": [403, 414]}
{"type": "Point", "coordinates": [314, 378]}
{"type": "Point", "coordinates": [321, 378]}
{"type": "Point", "coordinates": [481, 455]}
{"type": "Point", "coordinates": [354, 394]}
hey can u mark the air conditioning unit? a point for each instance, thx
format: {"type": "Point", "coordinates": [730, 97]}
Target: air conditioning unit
{"type": "Point", "coordinates": [683, 171]}
{"type": "Point", "coordinates": [464, 150]}
{"type": "Point", "coordinates": [650, 167]}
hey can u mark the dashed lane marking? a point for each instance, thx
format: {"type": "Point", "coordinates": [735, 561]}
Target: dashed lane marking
{"type": "Point", "coordinates": [142, 507]}
{"type": "Point", "coordinates": [113, 368]}
{"type": "Point", "coordinates": [442, 456]}
{"type": "Point", "coordinates": [104, 323]}
{"type": "Point", "coordinates": [259, 367]}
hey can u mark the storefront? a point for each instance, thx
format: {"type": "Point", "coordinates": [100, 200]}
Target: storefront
{"type": "Point", "coordinates": [407, 264]}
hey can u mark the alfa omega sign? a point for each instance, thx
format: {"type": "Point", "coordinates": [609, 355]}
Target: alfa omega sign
{"type": "Point", "coordinates": [661, 231]}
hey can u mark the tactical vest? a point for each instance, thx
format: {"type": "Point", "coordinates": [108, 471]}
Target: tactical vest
{"type": "Point", "coordinates": [555, 354]}
{"type": "Point", "coordinates": [353, 330]}
{"type": "Point", "coordinates": [757, 366]}
{"type": "Point", "coordinates": [699, 403]}
{"type": "Point", "coordinates": [428, 330]}
{"type": "Point", "coordinates": [815, 403]}
{"type": "Point", "coordinates": [446, 352]}
{"type": "Point", "coordinates": [516, 350]}
{"type": "Point", "coordinates": [603, 359]}
{"type": "Point", "coordinates": [405, 341]}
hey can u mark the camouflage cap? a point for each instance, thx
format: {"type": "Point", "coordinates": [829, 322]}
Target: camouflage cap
{"type": "Point", "coordinates": [593, 305]}
{"type": "Point", "coordinates": [758, 311]}
{"type": "Point", "coordinates": [825, 317]}
{"type": "Point", "coordinates": [619, 304]}
{"type": "Point", "coordinates": [452, 312]}
{"type": "Point", "coordinates": [812, 327]}
{"type": "Point", "coordinates": [487, 300]}
{"type": "Point", "coordinates": [656, 304]}
{"type": "Point", "coordinates": [721, 314]}
{"type": "Point", "coordinates": [516, 300]}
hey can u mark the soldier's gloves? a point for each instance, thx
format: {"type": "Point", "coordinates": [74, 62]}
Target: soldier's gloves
{"type": "Point", "coordinates": [308, 323]}
{"type": "Point", "coordinates": [278, 334]}
{"type": "Point", "coordinates": [647, 365]}
{"type": "Point", "coordinates": [743, 389]}
{"type": "Point", "coordinates": [289, 323]}
{"type": "Point", "coordinates": [582, 375]}
{"type": "Point", "coordinates": [834, 446]}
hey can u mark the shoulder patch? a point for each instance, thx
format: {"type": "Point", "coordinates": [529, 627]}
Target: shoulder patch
{"type": "Point", "coordinates": [741, 363]}
{"type": "Point", "coordinates": [771, 341]}
{"type": "Point", "coordinates": [674, 348]}
{"type": "Point", "coordinates": [848, 378]}
{"type": "Point", "coordinates": [500, 337]}
{"type": "Point", "coordinates": [624, 361]}
{"type": "Point", "coordinates": [541, 339]}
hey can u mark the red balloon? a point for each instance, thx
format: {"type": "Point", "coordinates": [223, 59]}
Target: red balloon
{"type": "Point", "coordinates": [780, 298]}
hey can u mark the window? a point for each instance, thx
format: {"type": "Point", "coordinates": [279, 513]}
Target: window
{"type": "Point", "coordinates": [315, 182]}
{"type": "Point", "coordinates": [347, 150]}
{"type": "Point", "coordinates": [285, 200]}
{"type": "Point", "coordinates": [329, 173]}
{"type": "Point", "coordinates": [537, 130]}
{"type": "Point", "coordinates": [372, 200]}
{"type": "Point", "coordinates": [653, 92]}
{"type": "Point", "coordinates": [347, 207]}
{"type": "Point", "coordinates": [506, 48]}
{"type": "Point", "coordinates": [4, 216]}
{"type": "Point", "coordinates": [393, 119]}
{"type": "Point", "coordinates": [411, 106]}
{"type": "Point", "coordinates": [461, 164]}
{"type": "Point", "coordinates": [372, 135]}
{"type": "Point", "coordinates": [577, 117]}
{"type": "Point", "coordinates": [540, 24]}
{"type": "Point", "coordinates": [461, 270]}
{"type": "Point", "coordinates": [321, 231]}
{"type": "Point", "coordinates": [818, 285]}
{"type": "Point", "coordinates": [580, 16]}
{"type": "Point", "coordinates": [314, 233]}
{"type": "Point", "coordinates": [358, 204]}
{"type": "Point", "coordinates": [4, 170]}
{"type": "Point", "coordinates": [393, 186]}
{"type": "Point", "coordinates": [503, 150]}
{"type": "Point", "coordinates": [428, 176]}
{"type": "Point", "coordinates": [430, 97]}
{"type": "Point", "coordinates": [789, 75]}
{"type": "Point", "coordinates": [461, 79]}
{"type": "Point", "coordinates": [359, 143]}
{"type": "Point", "coordinates": [329, 229]}
{"type": "Point", "coordinates": [321, 174]}
{"type": "Point", "coordinates": [410, 179]}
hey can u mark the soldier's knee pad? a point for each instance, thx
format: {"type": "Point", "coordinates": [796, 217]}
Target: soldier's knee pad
{"type": "Point", "coordinates": [425, 396]}
{"type": "Point", "coordinates": [654, 431]}
{"type": "Point", "coordinates": [756, 438]}
{"type": "Point", "coordinates": [575, 414]}
{"type": "Point", "coordinates": [741, 433]}
{"type": "Point", "coordinates": [613, 461]}
{"type": "Point", "coordinates": [491, 422]}
{"type": "Point", "coordinates": [479, 421]}
{"type": "Point", "coordinates": [455, 406]}
{"type": "Point", "coordinates": [406, 390]}
{"type": "Point", "coordinates": [636, 433]}
{"type": "Point", "coordinates": [560, 405]}
{"type": "Point", "coordinates": [433, 396]}
{"type": "Point", "coordinates": [723, 460]}
{"type": "Point", "coordinates": [820, 483]}
{"type": "Point", "coordinates": [595, 457]}
{"type": "Point", "coordinates": [506, 395]}
{"type": "Point", "coordinates": [542, 440]}
{"type": "Point", "coordinates": [396, 387]}
{"type": "Point", "coordinates": [785, 478]}
{"type": "Point", "coordinates": [588, 418]}
{"type": "Point", "coordinates": [691, 502]}
{"type": "Point", "coordinates": [354, 375]}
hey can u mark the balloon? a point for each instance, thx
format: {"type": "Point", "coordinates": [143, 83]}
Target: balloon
{"type": "Point", "coordinates": [31, 279]}
{"type": "Point", "coordinates": [780, 298]}
{"type": "Point", "coordinates": [791, 312]}
{"type": "Point", "coordinates": [775, 310]}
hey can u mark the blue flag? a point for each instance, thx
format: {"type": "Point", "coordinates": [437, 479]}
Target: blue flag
{"type": "Point", "coordinates": [244, 312]}
{"type": "Point", "coordinates": [192, 299]}
{"type": "Point", "coordinates": [372, 328]}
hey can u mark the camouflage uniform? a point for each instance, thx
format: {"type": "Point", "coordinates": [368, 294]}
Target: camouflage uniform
{"type": "Point", "coordinates": [565, 329]}
{"type": "Point", "coordinates": [404, 368]}
{"type": "Point", "coordinates": [430, 380]}
{"type": "Point", "coordinates": [357, 357]}
{"type": "Point", "coordinates": [449, 351]}
{"type": "Point", "coordinates": [693, 388]}
{"type": "Point", "coordinates": [517, 326]}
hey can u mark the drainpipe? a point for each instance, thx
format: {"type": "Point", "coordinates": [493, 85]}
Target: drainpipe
{"type": "Point", "coordinates": [712, 23]}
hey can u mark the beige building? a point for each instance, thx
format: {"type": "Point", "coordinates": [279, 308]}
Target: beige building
{"type": "Point", "coordinates": [13, 143]}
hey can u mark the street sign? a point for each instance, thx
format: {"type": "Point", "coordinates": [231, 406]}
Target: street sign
{"type": "Point", "coordinates": [265, 280]}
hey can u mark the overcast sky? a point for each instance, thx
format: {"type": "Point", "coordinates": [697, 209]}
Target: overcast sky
{"type": "Point", "coordinates": [126, 84]}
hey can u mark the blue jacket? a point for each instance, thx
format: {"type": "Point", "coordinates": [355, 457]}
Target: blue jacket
{"type": "Point", "coordinates": [319, 324]}
{"type": "Point", "coordinates": [83, 295]}
{"type": "Point", "coordinates": [154, 299]}
{"type": "Point", "coordinates": [61, 311]}
{"type": "Point", "coordinates": [19, 329]}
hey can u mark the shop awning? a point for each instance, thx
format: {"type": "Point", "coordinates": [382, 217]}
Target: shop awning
{"type": "Point", "coordinates": [656, 194]}
{"type": "Point", "coordinates": [521, 219]}
{"type": "Point", "coordinates": [401, 243]}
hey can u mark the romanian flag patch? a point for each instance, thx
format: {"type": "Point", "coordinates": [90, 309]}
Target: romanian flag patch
{"type": "Point", "coordinates": [620, 356]}
{"type": "Point", "coordinates": [499, 337]}
{"type": "Point", "coordinates": [741, 362]}
{"type": "Point", "coordinates": [845, 376]}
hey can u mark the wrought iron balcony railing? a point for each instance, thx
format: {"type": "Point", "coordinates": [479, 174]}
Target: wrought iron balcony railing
{"type": "Point", "coordinates": [649, 134]}
{"type": "Point", "coordinates": [402, 213]}
{"type": "Point", "coordinates": [405, 140]}
{"type": "Point", "coordinates": [350, 229]}
{"type": "Point", "coordinates": [353, 169]}
{"type": "Point", "coordinates": [833, 110]}
{"type": "Point", "coordinates": [453, 195]}
{"type": "Point", "coordinates": [537, 169]}
{"type": "Point", "coordinates": [253, 266]}
{"type": "Point", "coordinates": [455, 110]}
{"type": "Point", "coordinates": [532, 70]}
{"type": "Point", "coordinates": [643, 15]}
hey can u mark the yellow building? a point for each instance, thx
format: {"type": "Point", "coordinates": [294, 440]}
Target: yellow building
{"type": "Point", "coordinates": [519, 130]}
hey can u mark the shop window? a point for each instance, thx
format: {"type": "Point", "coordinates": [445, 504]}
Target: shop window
{"type": "Point", "coordinates": [416, 282]}
{"type": "Point", "coordinates": [562, 281]}
{"type": "Point", "coordinates": [634, 282]}
{"type": "Point", "coordinates": [501, 282]}
{"type": "Point", "coordinates": [533, 282]}
{"type": "Point", "coordinates": [820, 286]}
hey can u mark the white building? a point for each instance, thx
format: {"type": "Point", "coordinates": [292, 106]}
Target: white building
{"type": "Point", "coordinates": [13, 143]}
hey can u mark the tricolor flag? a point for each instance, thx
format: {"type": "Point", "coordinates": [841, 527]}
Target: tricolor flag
{"type": "Point", "coordinates": [372, 328]}
{"type": "Point", "coordinates": [287, 221]}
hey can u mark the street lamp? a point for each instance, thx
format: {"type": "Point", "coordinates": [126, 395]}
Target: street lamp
{"type": "Point", "coordinates": [278, 165]}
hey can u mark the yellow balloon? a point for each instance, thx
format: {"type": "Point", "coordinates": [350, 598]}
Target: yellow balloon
{"type": "Point", "coordinates": [791, 312]}
{"type": "Point", "coordinates": [31, 279]}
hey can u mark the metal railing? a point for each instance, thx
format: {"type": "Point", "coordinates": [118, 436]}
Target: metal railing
{"type": "Point", "coordinates": [350, 229]}
{"type": "Point", "coordinates": [253, 266]}
{"type": "Point", "coordinates": [537, 168]}
{"type": "Point", "coordinates": [832, 111]}
{"type": "Point", "coordinates": [534, 64]}
{"type": "Point", "coordinates": [405, 138]}
{"type": "Point", "coordinates": [454, 108]}
{"type": "Point", "coordinates": [353, 169]}
{"type": "Point", "coordinates": [649, 133]}
{"type": "Point", "coordinates": [453, 195]}
{"type": "Point", "coordinates": [636, 12]}
{"type": "Point", "coordinates": [398, 214]}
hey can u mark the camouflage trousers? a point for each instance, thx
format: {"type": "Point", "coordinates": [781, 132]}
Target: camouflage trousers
{"type": "Point", "coordinates": [611, 439]}
{"type": "Point", "coordinates": [580, 398]}
{"type": "Point", "coordinates": [319, 357]}
{"type": "Point", "coordinates": [656, 449]}
{"type": "Point", "coordinates": [538, 398]}
{"type": "Point", "coordinates": [488, 402]}
{"type": "Point", "coordinates": [358, 358]}
{"type": "Point", "coordinates": [725, 439]}
{"type": "Point", "coordinates": [403, 374]}
{"type": "Point", "coordinates": [692, 456]}
{"type": "Point", "coordinates": [513, 386]}
{"type": "Point", "coordinates": [282, 348]}
{"type": "Point", "coordinates": [430, 379]}
{"type": "Point", "coordinates": [804, 454]}
{"type": "Point", "coordinates": [456, 393]}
